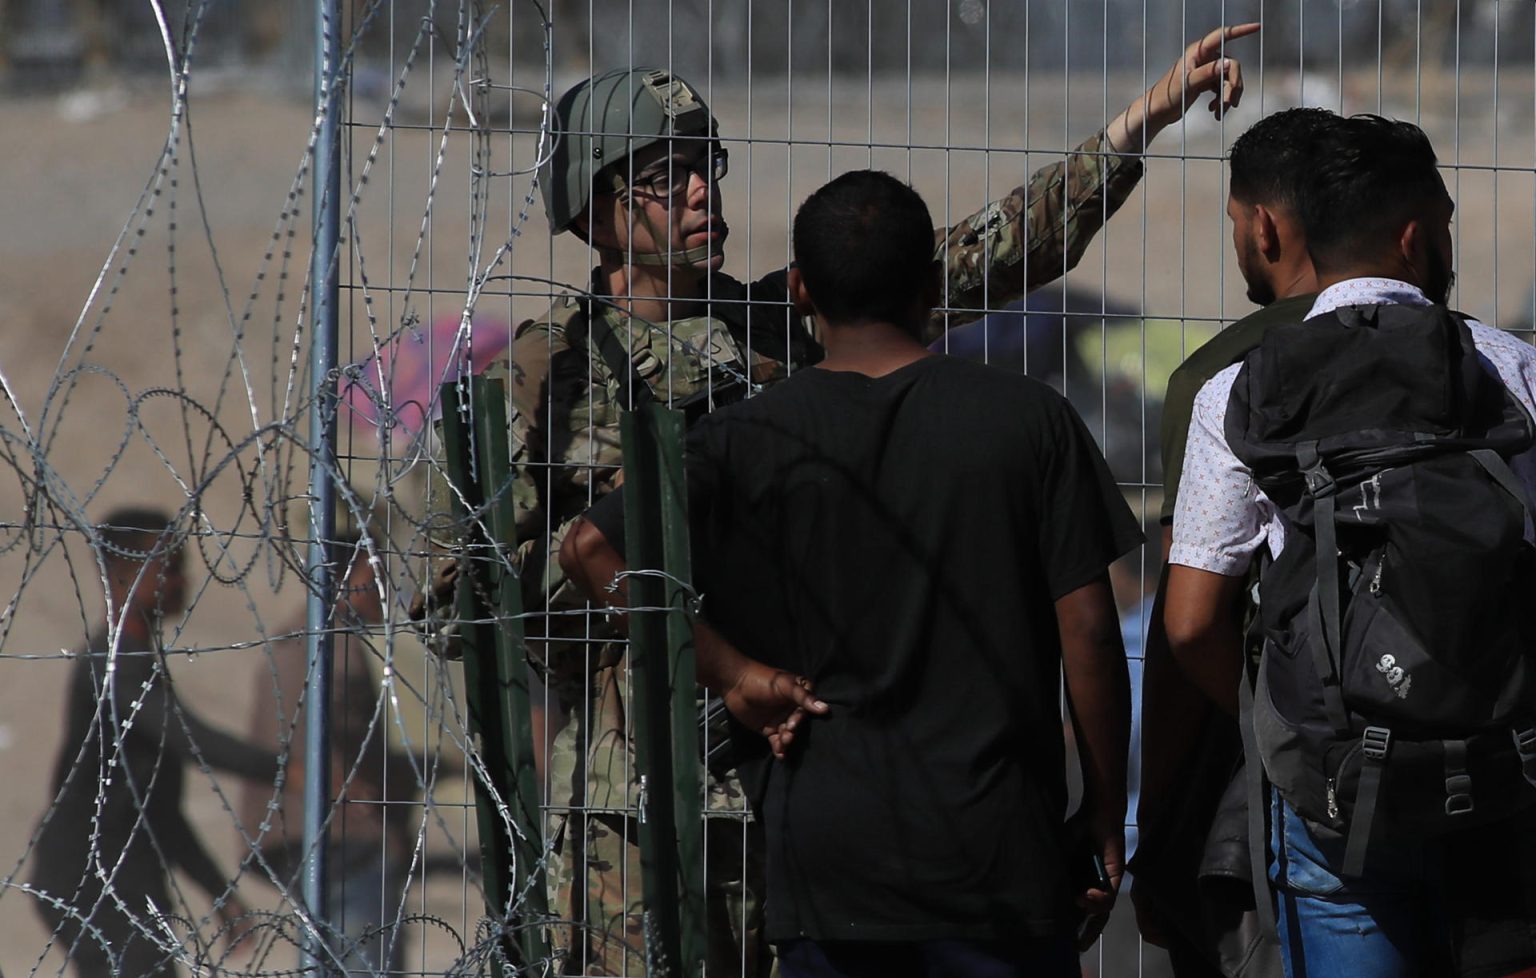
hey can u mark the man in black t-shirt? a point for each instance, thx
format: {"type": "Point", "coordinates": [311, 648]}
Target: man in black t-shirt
{"type": "Point", "coordinates": [926, 541]}
{"type": "Point", "coordinates": [114, 828]}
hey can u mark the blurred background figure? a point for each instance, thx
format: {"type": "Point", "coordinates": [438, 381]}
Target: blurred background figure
{"type": "Point", "coordinates": [389, 401]}
{"type": "Point", "coordinates": [115, 827]}
{"type": "Point", "coordinates": [370, 838]}
{"type": "Point", "coordinates": [396, 389]}
{"type": "Point", "coordinates": [1109, 361]}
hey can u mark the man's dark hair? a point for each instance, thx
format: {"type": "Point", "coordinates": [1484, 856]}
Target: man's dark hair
{"type": "Point", "coordinates": [343, 551]}
{"type": "Point", "coordinates": [131, 532]}
{"type": "Point", "coordinates": [864, 246]}
{"type": "Point", "coordinates": [1270, 160]}
{"type": "Point", "coordinates": [1368, 177]}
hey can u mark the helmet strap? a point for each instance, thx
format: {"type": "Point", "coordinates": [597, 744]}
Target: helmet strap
{"type": "Point", "coordinates": [673, 259]}
{"type": "Point", "coordinates": [685, 258]}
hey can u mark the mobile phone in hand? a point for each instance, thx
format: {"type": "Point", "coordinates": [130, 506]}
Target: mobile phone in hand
{"type": "Point", "coordinates": [1091, 874]}
{"type": "Point", "coordinates": [1097, 875]}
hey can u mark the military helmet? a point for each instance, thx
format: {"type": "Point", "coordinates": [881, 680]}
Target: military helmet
{"type": "Point", "coordinates": [605, 119]}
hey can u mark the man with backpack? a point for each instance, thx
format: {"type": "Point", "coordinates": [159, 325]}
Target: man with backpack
{"type": "Point", "coordinates": [1193, 894]}
{"type": "Point", "coordinates": [1368, 458]}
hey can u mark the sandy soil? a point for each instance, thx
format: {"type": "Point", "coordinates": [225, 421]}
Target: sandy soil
{"type": "Point", "coordinates": [75, 361]}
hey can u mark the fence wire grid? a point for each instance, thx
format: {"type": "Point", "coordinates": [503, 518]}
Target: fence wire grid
{"type": "Point", "coordinates": [158, 289]}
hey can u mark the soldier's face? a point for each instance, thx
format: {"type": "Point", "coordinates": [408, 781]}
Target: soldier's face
{"type": "Point", "coordinates": [671, 209]}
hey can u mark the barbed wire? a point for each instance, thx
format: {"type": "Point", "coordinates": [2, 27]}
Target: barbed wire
{"type": "Point", "coordinates": [157, 761]}
{"type": "Point", "coordinates": [235, 483]}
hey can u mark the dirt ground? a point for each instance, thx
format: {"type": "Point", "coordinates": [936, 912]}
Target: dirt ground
{"type": "Point", "coordinates": [80, 346]}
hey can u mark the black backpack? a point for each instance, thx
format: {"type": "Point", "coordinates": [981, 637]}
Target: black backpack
{"type": "Point", "coordinates": [1396, 693]}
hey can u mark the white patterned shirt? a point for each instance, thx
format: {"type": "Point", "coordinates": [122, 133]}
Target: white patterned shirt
{"type": "Point", "coordinates": [1222, 517]}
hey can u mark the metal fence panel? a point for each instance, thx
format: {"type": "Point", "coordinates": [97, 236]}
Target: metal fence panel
{"type": "Point", "coordinates": [159, 297]}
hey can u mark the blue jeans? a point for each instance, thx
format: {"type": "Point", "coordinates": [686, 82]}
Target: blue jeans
{"type": "Point", "coordinates": [1017, 958]}
{"type": "Point", "coordinates": [1391, 923]}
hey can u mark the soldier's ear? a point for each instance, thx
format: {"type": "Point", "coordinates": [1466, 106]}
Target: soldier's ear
{"type": "Point", "coordinates": [799, 296]}
{"type": "Point", "coordinates": [594, 225]}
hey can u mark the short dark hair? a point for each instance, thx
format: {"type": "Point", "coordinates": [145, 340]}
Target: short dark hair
{"type": "Point", "coordinates": [133, 533]}
{"type": "Point", "coordinates": [1270, 160]}
{"type": "Point", "coordinates": [1368, 177]}
{"type": "Point", "coordinates": [864, 247]}
{"type": "Point", "coordinates": [343, 550]}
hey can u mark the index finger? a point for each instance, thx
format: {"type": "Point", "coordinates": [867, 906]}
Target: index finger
{"type": "Point", "coordinates": [1211, 44]}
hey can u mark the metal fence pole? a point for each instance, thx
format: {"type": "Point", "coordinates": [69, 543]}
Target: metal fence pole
{"type": "Point", "coordinates": [324, 294]}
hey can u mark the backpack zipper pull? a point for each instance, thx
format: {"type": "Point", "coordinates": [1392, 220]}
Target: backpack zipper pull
{"type": "Point", "coordinates": [1333, 800]}
{"type": "Point", "coordinates": [1376, 579]}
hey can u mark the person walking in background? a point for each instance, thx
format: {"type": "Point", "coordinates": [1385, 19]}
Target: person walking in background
{"type": "Point", "coordinates": [373, 788]}
{"type": "Point", "coordinates": [115, 828]}
{"type": "Point", "coordinates": [926, 541]}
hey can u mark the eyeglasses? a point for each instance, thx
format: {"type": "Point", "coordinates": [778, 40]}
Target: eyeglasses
{"type": "Point", "coordinates": [670, 177]}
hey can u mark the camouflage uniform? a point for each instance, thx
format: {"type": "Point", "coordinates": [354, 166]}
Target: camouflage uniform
{"type": "Point", "coordinates": [566, 403]}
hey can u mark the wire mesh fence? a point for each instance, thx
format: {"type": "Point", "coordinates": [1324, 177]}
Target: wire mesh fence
{"type": "Point", "coordinates": [157, 279]}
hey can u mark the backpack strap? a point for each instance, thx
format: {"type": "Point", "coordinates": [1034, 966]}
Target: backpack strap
{"type": "Point", "coordinates": [1258, 805]}
{"type": "Point", "coordinates": [1375, 744]}
{"type": "Point", "coordinates": [1499, 469]}
{"type": "Point", "coordinates": [1458, 783]}
{"type": "Point", "coordinates": [1493, 463]}
{"type": "Point", "coordinates": [1321, 487]}
{"type": "Point", "coordinates": [1525, 748]}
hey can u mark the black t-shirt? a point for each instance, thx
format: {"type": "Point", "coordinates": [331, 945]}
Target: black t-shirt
{"type": "Point", "coordinates": [901, 540]}
{"type": "Point", "coordinates": [136, 814]}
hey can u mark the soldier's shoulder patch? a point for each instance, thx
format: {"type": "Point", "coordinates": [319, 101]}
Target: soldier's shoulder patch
{"type": "Point", "coordinates": [981, 224]}
{"type": "Point", "coordinates": [989, 217]}
{"type": "Point", "coordinates": [562, 313]}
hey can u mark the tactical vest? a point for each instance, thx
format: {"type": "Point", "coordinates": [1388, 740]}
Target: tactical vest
{"type": "Point", "coordinates": [763, 336]}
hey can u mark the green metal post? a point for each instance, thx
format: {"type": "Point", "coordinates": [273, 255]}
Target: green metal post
{"type": "Point", "coordinates": [662, 672]}
{"type": "Point", "coordinates": [489, 410]}
{"type": "Point", "coordinates": [495, 670]}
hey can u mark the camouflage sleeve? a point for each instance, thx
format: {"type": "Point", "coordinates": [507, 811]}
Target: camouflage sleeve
{"type": "Point", "coordinates": [525, 372]}
{"type": "Point", "coordinates": [1032, 236]}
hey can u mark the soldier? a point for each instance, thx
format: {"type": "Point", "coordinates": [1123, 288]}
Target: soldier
{"type": "Point", "coordinates": [636, 175]}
